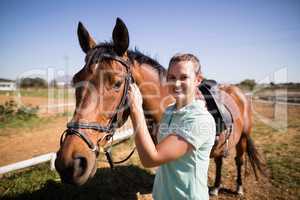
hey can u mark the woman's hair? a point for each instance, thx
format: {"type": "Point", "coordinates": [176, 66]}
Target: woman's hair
{"type": "Point", "coordinates": [179, 57]}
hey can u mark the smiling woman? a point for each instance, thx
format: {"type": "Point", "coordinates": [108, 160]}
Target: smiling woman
{"type": "Point", "coordinates": [185, 136]}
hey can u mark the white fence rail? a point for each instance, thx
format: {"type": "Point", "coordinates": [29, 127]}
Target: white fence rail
{"type": "Point", "coordinates": [277, 102]}
{"type": "Point", "coordinates": [119, 136]}
{"type": "Point", "coordinates": [30, 162]}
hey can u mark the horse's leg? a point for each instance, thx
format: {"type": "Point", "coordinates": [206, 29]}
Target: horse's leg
{"type": "Point", "coordinates": [241, 148]}
{"type": "Point", "coordinates": [215, 190]}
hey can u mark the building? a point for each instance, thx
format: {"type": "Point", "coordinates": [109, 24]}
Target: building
{"type": "Point", "coordinates": [7, 85]}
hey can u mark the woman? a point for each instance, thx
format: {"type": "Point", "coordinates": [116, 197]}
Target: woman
{"type": "Point", "coordinates": [185, 138]}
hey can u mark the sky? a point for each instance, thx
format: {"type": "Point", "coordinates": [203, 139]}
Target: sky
{"type": "Point", "coordinates": [234, 40]}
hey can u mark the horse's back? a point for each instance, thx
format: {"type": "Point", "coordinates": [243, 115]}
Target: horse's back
{"type": "Point", "coordinates": [239, 104]}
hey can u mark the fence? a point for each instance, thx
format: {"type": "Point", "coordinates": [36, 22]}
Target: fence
{"type": "Point", "coordinates": [119, 137]}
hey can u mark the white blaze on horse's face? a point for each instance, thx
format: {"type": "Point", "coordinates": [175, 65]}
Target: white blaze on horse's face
{"type": "Point", "coordinates": [182, 81]}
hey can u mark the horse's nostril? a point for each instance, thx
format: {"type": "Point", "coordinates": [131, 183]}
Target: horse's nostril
{"type": "Point", "coordinates": [80, 165]}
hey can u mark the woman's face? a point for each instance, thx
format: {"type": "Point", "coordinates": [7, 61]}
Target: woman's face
{"type": "Point", "coordinates": [183, 81]}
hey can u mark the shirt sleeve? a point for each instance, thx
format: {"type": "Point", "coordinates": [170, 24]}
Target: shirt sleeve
{"type": "Point", "coordinates": [196, 130]}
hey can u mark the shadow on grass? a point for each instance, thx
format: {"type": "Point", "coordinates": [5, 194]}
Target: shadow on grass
{"type": "Point", "coordinates": [121, 183]}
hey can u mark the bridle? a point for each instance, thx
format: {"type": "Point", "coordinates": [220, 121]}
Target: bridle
{"type": "Point", "coordinates": [73, 127]}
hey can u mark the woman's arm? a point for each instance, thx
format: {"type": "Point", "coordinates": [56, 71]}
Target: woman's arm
{"type": "Point", "coordinates": [171, 148]}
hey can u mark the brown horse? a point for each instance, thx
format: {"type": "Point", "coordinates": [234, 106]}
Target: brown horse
{"type": "Point", "coordinates": [101, 106]}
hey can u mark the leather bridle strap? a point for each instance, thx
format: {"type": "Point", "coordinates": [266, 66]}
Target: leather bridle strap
{"type": "Point", "coordinates": [109, 129]}
{"type": "Point", "coordinates": [71, 131]}
{"type": "Point", "coordinates": [82, 125]}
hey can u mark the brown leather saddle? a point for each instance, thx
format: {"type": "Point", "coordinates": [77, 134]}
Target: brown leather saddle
{"type": "Point", "coordinates": [223, 118]}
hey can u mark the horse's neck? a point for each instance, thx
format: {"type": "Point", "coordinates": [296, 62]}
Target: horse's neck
{"type": "Point", "coordinates": [153, 89]}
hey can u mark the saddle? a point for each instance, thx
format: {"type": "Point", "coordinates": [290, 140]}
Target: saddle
{"type": "Point", "coordinates": [223, 118]}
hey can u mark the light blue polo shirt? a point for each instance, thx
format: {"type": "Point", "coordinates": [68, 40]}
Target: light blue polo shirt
{"type": "Point", "coordinates": [186, 177]}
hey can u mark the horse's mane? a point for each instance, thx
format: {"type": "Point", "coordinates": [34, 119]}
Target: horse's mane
{"type": "Point", "coordinates": [135, 55]}
{"type": "Point", "coordinates": [143, 59]}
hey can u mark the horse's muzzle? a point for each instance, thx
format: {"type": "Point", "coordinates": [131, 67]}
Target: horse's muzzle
{"type": "Point", "coordinates": [76, 171]}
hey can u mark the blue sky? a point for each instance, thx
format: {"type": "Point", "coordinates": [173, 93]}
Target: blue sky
{"type": "Point", "coordinates": [234, 40]}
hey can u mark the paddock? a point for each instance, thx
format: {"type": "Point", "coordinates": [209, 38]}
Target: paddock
{"type": "Point", "coordinates": [131, 181]}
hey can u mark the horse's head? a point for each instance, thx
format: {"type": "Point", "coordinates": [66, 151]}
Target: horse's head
{"type": "Point", "coordinates": [101, 88]}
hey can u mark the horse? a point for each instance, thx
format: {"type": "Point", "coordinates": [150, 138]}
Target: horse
{"type": "Point", "coordinates": [101, 88]}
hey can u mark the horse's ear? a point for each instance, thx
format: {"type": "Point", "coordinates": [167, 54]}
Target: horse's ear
{"type": "Point", "coordinates": [85, 40]}
{"type": "Point", "coordinates": [120, 37]}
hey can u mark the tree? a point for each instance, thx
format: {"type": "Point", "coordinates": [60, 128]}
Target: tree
{"type": "Point", "coordinates": [248, 83]}
{"type": "Point", "coordinates": [33, 82]}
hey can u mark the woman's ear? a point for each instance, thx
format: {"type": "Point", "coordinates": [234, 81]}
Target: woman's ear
{"type": "Point", "coordinates": [199, 78]}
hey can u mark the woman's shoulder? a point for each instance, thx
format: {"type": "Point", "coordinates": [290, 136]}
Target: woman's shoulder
{"type": "Point", "coordinates": [196, 113]}
{"type": "Point", "coordinates": [170, 108]}
{"type": "Point", "coordinates": [196, 108]}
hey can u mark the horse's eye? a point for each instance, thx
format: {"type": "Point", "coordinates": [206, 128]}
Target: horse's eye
{"type": "Point", "coordinates": [117, 85]}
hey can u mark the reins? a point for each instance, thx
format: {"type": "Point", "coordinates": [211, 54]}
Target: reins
{"type": "Point", "coordinates": [73, 128]}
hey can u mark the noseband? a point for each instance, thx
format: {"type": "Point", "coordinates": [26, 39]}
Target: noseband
{"type": "Point", "coordinates": [109, 129]}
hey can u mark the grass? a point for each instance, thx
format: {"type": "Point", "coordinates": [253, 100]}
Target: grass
{"type": "Point", "coordinates": [12, 116]}
{"type": "Point", "coordinates": [62, 93]}
{"type": "Point", "coordinates": [124, 182]}
{"type": "Point", "coordinates": [41, 183]}
{"type": "Point", "coordinates": [281, 152]}
{"type": "Point", "coordinates": [26, 181]}
{"type": "Point", "coordinates": [30, 123]}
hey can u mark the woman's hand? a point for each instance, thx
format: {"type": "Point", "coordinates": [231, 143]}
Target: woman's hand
{"type": "Point", "coordinates": [170, 148]}
{"type": "Point", "coordinates": [135, 98]}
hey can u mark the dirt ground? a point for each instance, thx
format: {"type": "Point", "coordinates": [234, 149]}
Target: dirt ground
{"type": "Point", "coordinates": [17, 146]}
{"type": "Point", "coordinates": [47, 107]}
{"type": "Point", "coordinates": [21, 146]}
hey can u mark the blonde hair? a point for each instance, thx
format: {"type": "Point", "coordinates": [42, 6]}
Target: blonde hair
{"type": "Point", "coordinates": [179, 57]}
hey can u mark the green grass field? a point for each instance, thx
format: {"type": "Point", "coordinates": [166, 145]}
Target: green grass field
{"type": "Point", "coordinates": [281, 152]}
{"type": "Point", "coordinates": [40, 182]}
{"type": "Point", "coordinates": [12, 116]}
{"type": "Point", "coordinates": [28, 124]}
{"type": "Point", "coordinates": [41, 92]}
